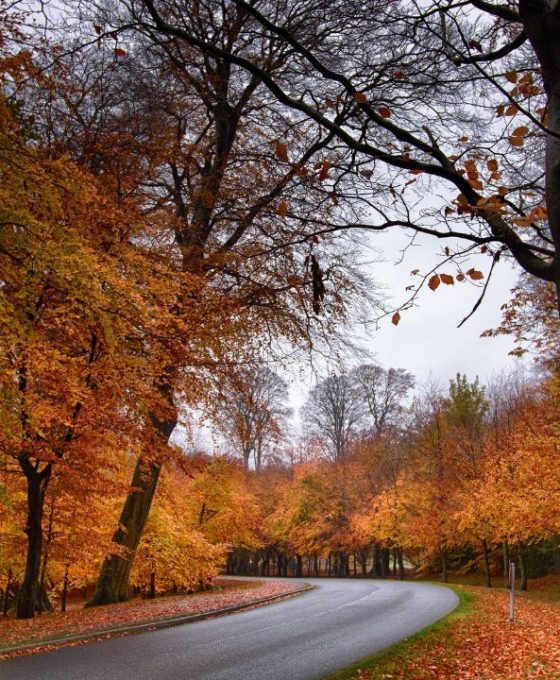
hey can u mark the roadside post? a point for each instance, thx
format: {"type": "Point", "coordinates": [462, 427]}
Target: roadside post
{"type": "Point", "coordinates": [511, 581]}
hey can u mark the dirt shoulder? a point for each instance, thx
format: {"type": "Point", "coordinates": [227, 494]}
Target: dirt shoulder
{"type": "Point", "coordinates": [79, 625]}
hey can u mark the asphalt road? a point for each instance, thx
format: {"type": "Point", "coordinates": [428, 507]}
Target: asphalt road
{"type": "Point", "coordinates": [305, 638]}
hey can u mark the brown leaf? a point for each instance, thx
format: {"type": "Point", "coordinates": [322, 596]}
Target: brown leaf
{"type": "Point", "coordinates": [539, 213]}
{"type": "Point", "coordinates": [283, 209]}
{"type": "Point", "coordinates": [460, 277]}
{"type": "Point", "coordinates": [492, 164]}
{"type": "Point", "coordinates": [475, 274]}
{"type": "Point", "coordinates": [119, 53]}
{"type": "Point", "coordinates": [516, 141]}
{"type": "Point", "coordinates": [511, 76]}
{"type": "Point", "coordinates": [520, 131]}
{"type": "Point", "coordinates": [433, 283]}
{"type": "Point", "coordinates": [282, 152]}
{"type": "Point", "coordinates": [447, 279]}
{"type": "Point", "coordinates": [395, 319]}
{"type": "Point", "coordinates": [384, 111]}
{"type": "Point", "coordinates": [360, 97]}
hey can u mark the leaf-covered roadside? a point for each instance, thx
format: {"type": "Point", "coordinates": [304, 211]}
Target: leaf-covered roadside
{"type": "Point", "coordinates": [57, 625]}
{"type": "Point", "coordinates": [483, 645]}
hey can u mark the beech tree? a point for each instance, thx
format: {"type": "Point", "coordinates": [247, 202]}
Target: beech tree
{"type": "Point", "coordinates": [461, 95]}
{"type": "Point", "coordinates": [218, 228]}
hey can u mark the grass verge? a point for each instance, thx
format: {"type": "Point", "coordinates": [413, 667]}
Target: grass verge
{"type": "Point", "coordinates": [382, 665]}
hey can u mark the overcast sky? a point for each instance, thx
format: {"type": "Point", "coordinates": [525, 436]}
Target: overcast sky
{"type": "Point", "coordinates": [427, 341]}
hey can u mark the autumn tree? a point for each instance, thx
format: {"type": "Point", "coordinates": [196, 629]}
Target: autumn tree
{"type": "Point", "coordinates": [462, 95]}
{"type": "Point", "coordinates": [224, 229]}
{"type": "Point", "coordinates": [64, 296]}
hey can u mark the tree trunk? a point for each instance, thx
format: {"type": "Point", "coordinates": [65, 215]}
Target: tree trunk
{"type": "Point", "coordinates": [112, 585]}
{"type": "Point", "coordinates": [299, 566]}
{"type": "Point", "coordinates": [5, 604]}
{"type": "Point", "coordinates": [44, 604]}
{"type": "Point", "coordinates": [153, 581]}
{"type": "Point", "coordinates": [485, 555]}
{"type": "Point", "coordinates": [64, 589]}
{"type": "Point", "coordinates": [505, 563]}
{"type": "Point", "coordinates": [444, 574]}
{"type": "Point", "coordinates": [401, 565]}
{"type": "Point", "coordinates": [556, 554]}
{"type": "Point", "coordinates": [522, 568]}
{"type": "Point", "coordinates": [29, 593]}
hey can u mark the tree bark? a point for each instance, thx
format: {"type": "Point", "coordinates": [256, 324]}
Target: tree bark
{"type": "Point", "coordinates": [401, 565]}
{"type": "Point", "coordinates": [505, 563]}
{"type": "Point", "coordinates": [64, 589]}
{"type": "Point", "coordinates": [487, 579]}
{"type": "Point", "coordinates": [5, 604]}
{"type": "Point", "coordinates": [29, 594]}
{"type": "Point", "coordinates": [113, 582]}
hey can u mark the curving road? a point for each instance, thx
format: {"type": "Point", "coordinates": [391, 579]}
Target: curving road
{"type": "Point", "coordinates": [305, 638]}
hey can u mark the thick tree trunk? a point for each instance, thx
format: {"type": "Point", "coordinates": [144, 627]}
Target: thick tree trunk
{"type": "Point", "coordinates": [541, 21]}
{"type": "Point", "coordinates": [30, 592]}
{"type": "Point", "coordinates": [112, 585]}
{"type": "Point", "coordinates": [113, 582]}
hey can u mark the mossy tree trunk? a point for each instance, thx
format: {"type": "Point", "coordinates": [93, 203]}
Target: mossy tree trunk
{"type": "Point", "coordinates": [113, 582]}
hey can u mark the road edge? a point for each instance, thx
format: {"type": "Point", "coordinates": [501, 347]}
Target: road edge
{"type": "Point", "coordinates": [106, 633]}
{"type": "Point", "coordinates": [463, 608]}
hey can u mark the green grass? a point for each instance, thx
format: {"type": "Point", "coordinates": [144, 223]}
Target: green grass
{"type": "Point", "coordinates": [381, 665]}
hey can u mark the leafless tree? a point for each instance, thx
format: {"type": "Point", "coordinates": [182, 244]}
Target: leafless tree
{"type": "Point", "coordinates": [333, 412]}
{"type": "Point", "coordinates": [383, 391]}
{"type": "Point", "coordinates": [251, 412]}
{"type": "Point", "coordinates": [426, 89]}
